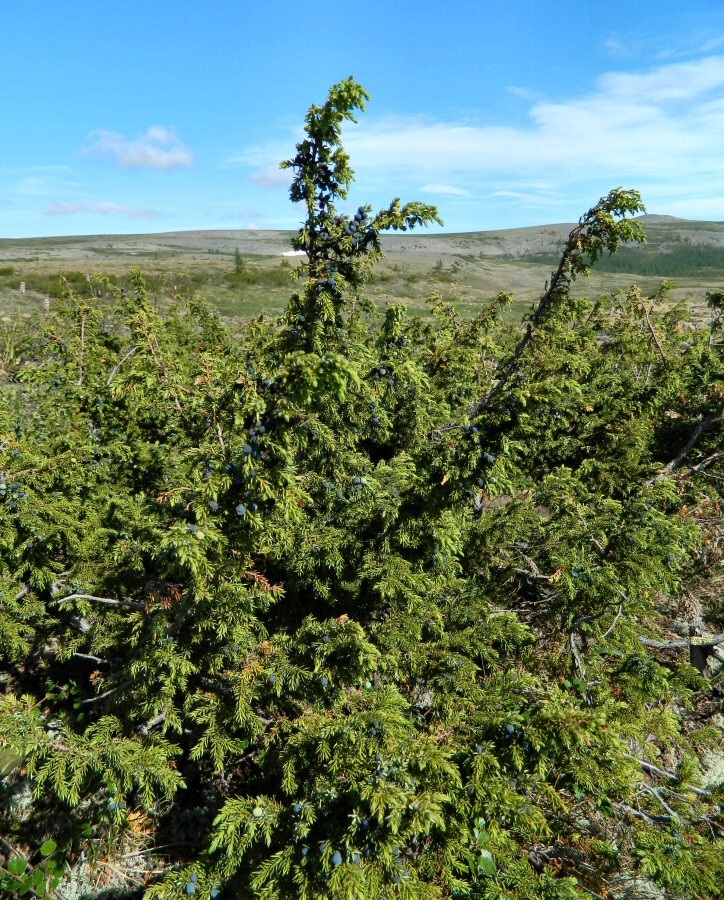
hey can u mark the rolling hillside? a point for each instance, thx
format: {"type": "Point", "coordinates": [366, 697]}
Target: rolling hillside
{"type": "Point", "coordinates": [466, 268]}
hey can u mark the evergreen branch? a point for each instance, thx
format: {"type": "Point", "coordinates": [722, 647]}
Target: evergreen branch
{"type": "Point", "coordinates": [596, 231]}
{"type": "Point", "coordinates": [560, 279]}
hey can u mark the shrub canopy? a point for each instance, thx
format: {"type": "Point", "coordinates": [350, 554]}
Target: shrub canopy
{"type": "Point", "coordinates": [387, 607]}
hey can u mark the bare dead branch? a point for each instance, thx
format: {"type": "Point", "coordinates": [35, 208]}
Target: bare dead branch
{"type": "Point", "coordinates": [95, 659]}
{"type": "Point", "coordinates": [682, 643]}
{"type": "Point", "coordinates": [662, 773]}
{"type": "Point", "coordinates": [702, 427]}
{"type": "Point", "coordinates": [613, 624]}
{"type": "Point", "coordinates": [106, 601]}
{"type": "Point", "coordinates": [108, 693]}
{"type": "Point", "coordinates": [649, 789]}
{"type": "Point", "coordinates": [157, 720]}
{"type": "Point", "coordinates": [708, 461]}
{"type": "Point", "coordinates": [640, 814]}
{"type": "Point", "coordinates": [653, 330]}
{"type": "Point", "coordinates": [575, 642]}
{"type": "Point", "coordinates": [114, 370]}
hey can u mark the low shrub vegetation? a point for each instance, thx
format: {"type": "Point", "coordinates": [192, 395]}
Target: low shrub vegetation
{"type": "Point", "coordinates": [378, 605]}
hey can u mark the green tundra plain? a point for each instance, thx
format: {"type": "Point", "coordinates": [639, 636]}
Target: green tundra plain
{"type": "Point", "coordinates": [465, 269]}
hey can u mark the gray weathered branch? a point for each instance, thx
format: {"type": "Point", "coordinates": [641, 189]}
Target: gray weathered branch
{"type": "Point", "coordinates": [114, 370]}
{"type": "Point", "coordinates": [683, 643]}
{"type": "Point", "coordinates": [662, 773]}
{"type": "Point", "coordinates": [106, 601]}
{"type": "Point", "coordinates": [703, 426]}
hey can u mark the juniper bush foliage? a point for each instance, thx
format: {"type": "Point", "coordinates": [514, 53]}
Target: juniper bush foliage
{"type": "Point", "coordinates": [386, 601]}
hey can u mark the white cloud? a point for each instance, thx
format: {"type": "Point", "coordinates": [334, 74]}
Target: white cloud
{"type": "Point", "coordinates": [101, 209]}
{"type": "Point", "coordinates": [524, 93]}
{"type": "Point", "coordinates": [158, 148]}
{"type": "Point", "coordinates": [678, 81]}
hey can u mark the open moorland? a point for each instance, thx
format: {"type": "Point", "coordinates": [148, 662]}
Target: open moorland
{"type": "Point", "coordinates": [467, 269]}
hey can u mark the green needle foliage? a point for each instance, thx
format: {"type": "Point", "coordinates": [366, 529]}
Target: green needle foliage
{"type": "Point", "coordinates": [385, 604]}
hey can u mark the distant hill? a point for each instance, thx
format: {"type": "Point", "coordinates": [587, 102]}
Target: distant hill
{"type": "Point", "coordinates": [466, 268]}
{"type": "Point", "coordinates": [666, 234]}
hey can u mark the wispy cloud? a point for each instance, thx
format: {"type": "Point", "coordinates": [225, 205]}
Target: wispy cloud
{"type": "Point", "coordinates": [32, 186]}
{"type": "Point", "coordinates": [710, 44]}
{"type": "Point", "coordinates": [659, 129]}
{"type": "Point", "coordinates": [662, 127]}
{"type": "Point", "coordinates": [246, 218]}
{"type": "Point", "coordinates": [614, 46]}
{"type": "Point", "coordinates": [635, 123]}
{"type": "Point", "coordinates": [56, 169]}
{"type": "Point", "coordinates": [271, 176]}
{"type": "Point", "coordinates": [43, 181]}
{"type": "Point", "coordinates": [101, 209]}
{"type": "Point", "coordinates": [531, 198]}
{"type": "Point", "coordinates": [158, 148]}
{"type": "Point", "coordinates": [445, 189]}
{"type": "Point", "coordinates": [695, 43]}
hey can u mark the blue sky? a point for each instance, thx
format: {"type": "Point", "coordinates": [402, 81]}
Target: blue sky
{"type": "Point", "coordinates": [135, 117]}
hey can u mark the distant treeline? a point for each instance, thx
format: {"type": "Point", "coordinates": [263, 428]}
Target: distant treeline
{"type": "Point", "coordinates": [685, 261]}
